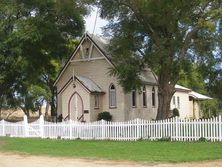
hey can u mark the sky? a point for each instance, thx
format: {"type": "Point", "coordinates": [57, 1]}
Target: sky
{"type": "Point", "coordinates": [90, 21]}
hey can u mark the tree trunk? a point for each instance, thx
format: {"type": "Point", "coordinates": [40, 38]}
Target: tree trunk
{"type": "Point", "coordinates": [28, 114]}
{"type": "Point", "coordinates": [40, 111]}
{"type": "Point", "coordinates": [52, 100]}
{"type": "Point", "coordinates": [164, 99]}
{"type": "Point", "coordinates": [47, 109]}
{"type": "Point", "coordinates": [165, 92]}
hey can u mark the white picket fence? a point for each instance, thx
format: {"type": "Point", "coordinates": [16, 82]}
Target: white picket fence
{"type": "Point", "coordinates": [176, 129]}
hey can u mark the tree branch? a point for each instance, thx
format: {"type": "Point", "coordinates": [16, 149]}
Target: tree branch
{"type": "Point", "coordinates": [140, 18]}
{"type": "Point", "coordinates": [187, 40]}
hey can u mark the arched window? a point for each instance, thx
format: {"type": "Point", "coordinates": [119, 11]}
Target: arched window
{"type": "Point", "coordinates": [96, 106]}
{"type": "Point", "coordinates": [178, 102]}
{"type": "Point", "coordinates": [144, 97]}
{"type": "Point", "coordinates": [112, 96]}
{"type": "Point", "coordinates": [133, 98]}
{"type": "Point", "coordinates": [153, 97]}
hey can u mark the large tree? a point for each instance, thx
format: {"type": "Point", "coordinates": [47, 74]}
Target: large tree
{"type": "Point", "coordinates": [34, 41]}
{"type": "Point", "coordinates": [166, 36]}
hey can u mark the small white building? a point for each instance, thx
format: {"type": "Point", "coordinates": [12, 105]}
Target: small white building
{"type": "Point", "coordinates": [85, 88]}
{"type": "Point", "coordinates": [187, 102]}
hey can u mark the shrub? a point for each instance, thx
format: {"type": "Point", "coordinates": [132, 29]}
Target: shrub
{"type": "Point", "coordinates": [176, 112]}
{"type": "Point", "coordinates": [105, 116]}
{"type": "Point", "coordinates": [59, 118]}
{"type": "Point", "coordinates": [202, 139]}
{"type": "Point", "coordinates": [164, 139]}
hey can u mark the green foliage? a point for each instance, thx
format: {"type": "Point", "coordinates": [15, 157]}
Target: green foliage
{"type": "Point", "coordinates": [35, 39]}
{"type": "Point", "coordinates": [210, 108]}
{"type": "Point", "coordinates": [164, 139]}
{"type": "Point", "coordinates": [202, 139]}
{"type": "Point", "coordinates": [104, 116]}
{"type": "Point", "coordinates": [176, 112]}
{"type": "Point", "coordinates": [193, 79]}
{"type": "Point", "coordinates": [166, 36]}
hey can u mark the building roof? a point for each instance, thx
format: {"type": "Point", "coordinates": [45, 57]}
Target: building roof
{"type": "Point", "coordinates": [89, 84]}
{"type": "Point", "coordinates": [182, 88]}
{"type": "Point", "coordinates": [147, 76]}
{"type": "Point", "coordinates": [100, 41]}
{"type": "Point", "coordinates": [191, 93]}
{"type": "Point", "coordinates": [198, 96]}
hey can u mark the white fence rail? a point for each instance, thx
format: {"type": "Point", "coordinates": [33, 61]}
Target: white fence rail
{"type": "Point", "coordinates": [176, 129]}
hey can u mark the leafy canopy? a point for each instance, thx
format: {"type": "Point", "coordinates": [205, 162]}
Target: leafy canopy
{"type": "Point", "coordinates": [34, 41]}
{"type": "Point", "coordinates": [166, 36]}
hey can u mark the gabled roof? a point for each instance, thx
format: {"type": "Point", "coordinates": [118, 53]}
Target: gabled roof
{"type": "Point", "coordinates": [182, 88]}
{"type": "Point", "coordinates": [199, 96]}
{"type": "Point", "coordinates": [191, 93]}
{"type": "Point", "coordinates": [147, 76]}
{"type": "Point", "coordinates": [89, 84]}
{"type": "Point", "coordinates": [100, 44]}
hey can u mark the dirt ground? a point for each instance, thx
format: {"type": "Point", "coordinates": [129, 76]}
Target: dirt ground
{"type": "Point", "coordinates": [12, 160]}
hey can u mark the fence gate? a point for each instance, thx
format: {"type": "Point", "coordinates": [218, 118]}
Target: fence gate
{"type": "Point", "coordinates": [34, 129]}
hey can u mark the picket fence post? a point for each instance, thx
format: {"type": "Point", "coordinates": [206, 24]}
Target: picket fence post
{"type": "Point", "coordinates": [176, 122]}
{"type": "Point", "coordinates": [103, 129]}
{"type": "Point", "coordinates": [138, 128]}
{"type": "Point", "coordinates": [26, 128]}
{"type": "Point", "coordinates": [41, 124]}
{"type": "Point", "coordinates": [220, 128]}
{"type": "Point", "coordinates": [70, 129]}
{"type": "Point", "coordinates": [3, 127]}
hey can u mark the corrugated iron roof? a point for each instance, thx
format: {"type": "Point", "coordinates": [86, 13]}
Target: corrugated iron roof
{"type": "Point", "coordinates": [179, 87]}
{"type": "Point", "coordinates": [199, 96]}
{"type": "Point", "coordinates": [89, 84]}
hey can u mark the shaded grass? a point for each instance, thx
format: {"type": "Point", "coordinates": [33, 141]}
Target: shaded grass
{"type": "Point", "coordinates": [145, 151]}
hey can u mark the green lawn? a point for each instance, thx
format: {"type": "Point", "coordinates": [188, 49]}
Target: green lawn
{"type": "Point", "coordinates": [146, 151]}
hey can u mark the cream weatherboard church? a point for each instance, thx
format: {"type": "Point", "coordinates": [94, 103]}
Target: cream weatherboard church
{"type": "Point", "coordinates": [85, 88]}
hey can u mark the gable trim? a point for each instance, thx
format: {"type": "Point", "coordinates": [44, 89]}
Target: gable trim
{"type": "Point", "coordinates": [66, 85]}
{"type": "Point", "coordinates": [74, 53]}
{"type": "Point", "coordinates": [68, 61]}
{"type": "Point", "coordinates": [70, 81]}
{"type": "Point", "coordinates": [100, 50]}
{"type": "Point", "coordinates": [91, 59]}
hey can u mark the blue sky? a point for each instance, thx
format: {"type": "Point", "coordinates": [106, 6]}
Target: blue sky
{"type": "Point", "coordinates": [90, 20]}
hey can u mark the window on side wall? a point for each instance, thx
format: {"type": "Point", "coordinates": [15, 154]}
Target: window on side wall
{"type": "Point", "coordinates": [153, 97]}
{"type": "Point", "coordinates": [112, 96]}
{"type": "Point", "coordinates": [144, 97]}
{"type": "Point", "coordinates": [96, 106]}
{"type": "Point", "coordinates": [174, 100]}
{"type": "Point", "coordinates": [178, 102]}
{"type": "Point", "coordinates": [133, 98]}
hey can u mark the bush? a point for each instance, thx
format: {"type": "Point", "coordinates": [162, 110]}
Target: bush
{"type": "Point", "coordinates": [202, 139]}
{"type": "Point", "coordinates": [105, 116]}
{"type": "Point", "coordinates": [164, 139]}
{"type": "Point", "coordinates": [176, 112]}
{"type": "Point", "coordinates": [59, 118]}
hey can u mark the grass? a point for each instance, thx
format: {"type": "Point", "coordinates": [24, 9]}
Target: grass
{"type": "Point", "coordinates": [144, 151]}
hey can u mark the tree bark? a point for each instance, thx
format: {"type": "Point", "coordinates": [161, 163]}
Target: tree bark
{"type": "Point", "coordinates": [166, 89]}
{"type": "Point", "coordinates": [40, 111]}
{"type": "Point", "coordinates": [47, 109]}
{"type": "Point", "coordinates": [164, 99]}
{"type": "Point", "coordinates": [28, 114]}
{"type": "Point", "coordinates": [52, 102]}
